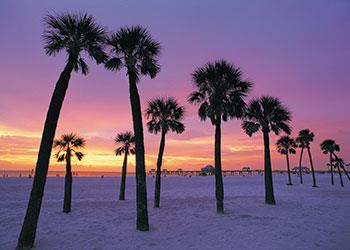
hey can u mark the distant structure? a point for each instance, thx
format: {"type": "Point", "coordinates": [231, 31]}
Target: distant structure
{"type": "Point", "coordinates": [303, 169]}
{"type": "Point", "coordinates": [207, 170]}
{"type": "Point", "coordinates": [179, 171]}
{"type": "Point", "coordinates": [164, 171]}
{"type": "Point", "coordinates": [246, 170]}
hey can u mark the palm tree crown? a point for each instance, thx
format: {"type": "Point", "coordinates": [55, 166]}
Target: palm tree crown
{"type": "Point", "coordinates": [125, 143]}
{"type": "Point", "coordinates": [266, 113]}
{"type": "Point", "coordinates": [329, 146]}
{"type": "Point", "coordinates": [75, 33]}
{"type": "Point", "coordinates": [165, 114]}
{"type": "Point", "coordinates": [134, 48]}
{"type": "Point", "coordinates": [220, 91]}
{"type": "Point", "coordinates": [338, 162]}
{"type": "Point", "coordinates": [69, 142]}
{"type": "Point", "coordinates": [305, 138]}
{"type": "Point", "coordinates": [286, 145]}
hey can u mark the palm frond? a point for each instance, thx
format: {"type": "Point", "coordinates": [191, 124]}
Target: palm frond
{"type": "Point", "coordinates": [250, 127]}
{"type": "Point", "coordinates": [164, 114]}
{"type": "Point", "coordinates": [134, 48]}
{"type": "Point", "coordinates": [329, 146]}
{"type": "Point", "coordinates": [74, 33]}
{"type": "Point", "coordinates": [304, 138]}
{"type": "Point", "coordinates": [79, 155]}
{"type": "Point", "coordinates": [124, 141]}
{"type": "Point", "coordinates": [220, 91]}
{"type": "Point", "coordinates": [286, 144]}
{"type": "Point", "coordinates": [270, 114]}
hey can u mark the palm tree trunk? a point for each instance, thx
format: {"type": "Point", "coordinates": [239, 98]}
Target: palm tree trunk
{"type": "Point", "coordinates": [123, 178]}
{"type": "Point", "coordinates": [346, 172]}
{"type": "Point", "coordinates": [269, 196]}
{"type": "Point", "coordinates": [342, 166]}
{"type": "Point", "coordinates": [288, 168]}
{"type": "Point", "coordinates": [312, 168]}
{"type": "Point", "coordinates": [300, 170]}
{"type": "Point", "coordinates": [68, 184]}
{"type": "Point", "coordinates": [341, 178]}
{"type": "Point", "coordinates": [141, 190]}
{"type": "Point", "coordinates": [27, 236]}
{"type": "Point", "coordinates": [331, 165]}
{"type": "Point", "coordinates": [218, 173]}
{"type": "Point", "coordinates": [158, 175]}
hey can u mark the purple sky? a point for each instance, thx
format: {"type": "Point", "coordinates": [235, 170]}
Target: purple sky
{"type": "Point", "coordinates": [296, 50]}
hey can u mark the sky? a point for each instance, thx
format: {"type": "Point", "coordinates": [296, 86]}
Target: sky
{"type": "Point", "coordinates": [295, 50]}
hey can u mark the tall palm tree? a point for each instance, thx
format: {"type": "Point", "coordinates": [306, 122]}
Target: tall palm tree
{"type": "Point", "coordinates": [304, 140]}
{"type": "Point", "coordinates": [73, 34]}
{"type": "Point", "coordinates": [268, 114]}
{"type": "Point", "coordinates": [220, 92]}
{"type": "Point", "coordinates": [68, 146]}
{"type": "Point", "coordinates": [125, 145]}
{"type": "Point", "coordinates": [134, 49]}
{"type": "Point", "coordinates": [286, 145]}
{"type": "Point", "coordinates": [165, 115]}
{"type": "Point", "coordinates": [330, 147]}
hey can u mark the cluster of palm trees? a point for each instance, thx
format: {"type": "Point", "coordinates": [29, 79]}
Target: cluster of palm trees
{"type": "Point", "coordinates": [330, 147]}
{"type": "Point", "coordinates": [287, 145]}
{"type": "Point", "coordinates": [220, 93]}
{"type": "Point", "coordinates": [164, 115]}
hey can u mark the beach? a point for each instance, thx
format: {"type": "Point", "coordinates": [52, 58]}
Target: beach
{"type": "Point", "coordinates": [304, 217]}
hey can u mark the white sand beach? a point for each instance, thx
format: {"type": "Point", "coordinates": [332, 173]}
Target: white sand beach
{"type": "Point", "coordinates": [304, 217]}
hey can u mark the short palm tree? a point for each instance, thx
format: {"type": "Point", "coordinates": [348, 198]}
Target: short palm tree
{"type": "Point", "coordinates": [68, 146]}
{"type": "Point", "coordinates": [286, 145]}
{"type": "Point", "coordinates": [220, 92]}
{"type": "Point", "coordinates": [268, 114]}
{"type": "Point", "coordinates": [330, 147]}
{"type": "Point", "coordinates": [164, 115]}
{"type": "Point", "coordinates": [125, 145]}
{"type": "Point", "coordinates": [134, 49]}
{"type": "Point", "coordinates": [304, 140]}
{"type": "Point", "coordinates": [74, 34]}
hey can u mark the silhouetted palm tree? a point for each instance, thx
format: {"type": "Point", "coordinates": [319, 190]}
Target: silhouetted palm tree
{"type": "Point", "coordinates": [134, 49]}
{"type": "Point", "coordinates": [268, 114]}
{"type": "Point", "coordinates": [68, 145]}
{"type": "Point", "coordinates": [304, 139]}
{"type": "Point", "coordinates": [125, 145]}
{"type": "Point", "coordinates": [165, 115]}
{"type": "Point", "coordinates": [329, 147]}
{"type": "Point", "coordinates": [286, 145]}
{"type": "Point", "coordinates": [220, 91]}
{"type": "Point", "coordinates": [73, 34]}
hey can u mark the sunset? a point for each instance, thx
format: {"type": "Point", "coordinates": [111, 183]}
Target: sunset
{"type": "Point", "coordinates": [247, 89]}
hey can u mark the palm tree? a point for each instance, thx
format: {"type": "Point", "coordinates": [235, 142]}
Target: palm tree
{"type": "Point", "coordinates": [165, 115]}
{"type": "Point", "coordinates": [134, 49]}
{"type": "Point", "coordinates": [286, 145]}
{"type": "Point", "coordinates": [74, 34]}
{"type": "Point", "coordinates": [267, 113]}
{"type": "Point", "coordinates": [220, 92]}
{"type": "Point", "coordinates": [125, 145]}
{"type": "Point", "coordinates": [304, 139]}
{"type": "Point", "coordinates": [329, 147]}
{"type": "Point", "coordinates": [68, 145]}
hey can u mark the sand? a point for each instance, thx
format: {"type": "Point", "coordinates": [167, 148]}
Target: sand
{"type": "Point", "coordinates": [304, 217]}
